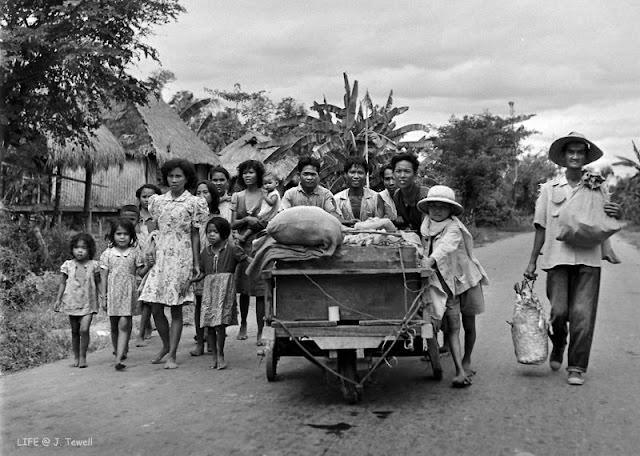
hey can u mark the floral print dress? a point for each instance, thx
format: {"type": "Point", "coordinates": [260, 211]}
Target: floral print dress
{"type": "Point", "coordinates": [122, 293]}
{"type": "Point", "coordinates": [174, 258]}
{"type": "Point", "coordinates": [80, 295]}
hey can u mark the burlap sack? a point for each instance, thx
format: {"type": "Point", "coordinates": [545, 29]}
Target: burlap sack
{"type": "Point", "coordinates": [303, 225]}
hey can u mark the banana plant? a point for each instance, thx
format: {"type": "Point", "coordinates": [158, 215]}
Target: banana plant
{"type": "Point", "coordinates": [335, 133]}
{"type": "Point", "coordinates": [624, 161]}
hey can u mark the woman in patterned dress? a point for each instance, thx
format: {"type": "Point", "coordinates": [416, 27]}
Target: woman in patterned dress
{"type": "Point", "coordinates": [179, 215]}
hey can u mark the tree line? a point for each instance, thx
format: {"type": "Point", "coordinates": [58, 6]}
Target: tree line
{"type": "Point", "coordinates": [64, 63]}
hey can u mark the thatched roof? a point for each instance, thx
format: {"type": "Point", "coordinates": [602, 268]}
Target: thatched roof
{"type": "Point", "coordinates": [106, 152]}
{"type": "Point", "coordinates": [250, 146]}
{"type": "Point", "coordinates": [156, 129]}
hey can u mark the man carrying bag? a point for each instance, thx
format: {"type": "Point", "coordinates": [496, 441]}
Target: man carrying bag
{"type": "Point", "coordinates": [573, 271]}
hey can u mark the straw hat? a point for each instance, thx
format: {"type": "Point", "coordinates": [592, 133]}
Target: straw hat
{"type": "Point", "coordinates": [556, 151]}
{"type": "Point", "coordinates": [443, 194]}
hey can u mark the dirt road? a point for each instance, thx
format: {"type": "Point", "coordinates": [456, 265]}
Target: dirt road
{"type": "Point", "coordinates": [511, 409]}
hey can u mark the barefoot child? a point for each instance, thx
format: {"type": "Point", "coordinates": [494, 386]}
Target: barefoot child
{"type": "Point", "coordinates": [77, 294]}
{"type": "Point", "coordinates": [144, 226]}
{"type": "Point", "coordinates": [218, 265]}
{"type": "Point", "coordinates": [118, 288]}
{"type": "Point", "coordinates": [449, 250]}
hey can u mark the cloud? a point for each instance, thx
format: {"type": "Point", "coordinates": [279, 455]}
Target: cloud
{"type": "Point", "coordinates": [572, 63]}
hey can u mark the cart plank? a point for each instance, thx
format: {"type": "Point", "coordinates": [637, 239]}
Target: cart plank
{"type": "Point", "coordinates": [340, 331]}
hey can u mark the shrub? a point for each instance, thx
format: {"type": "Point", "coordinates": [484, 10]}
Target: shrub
{"type": "Point", "coordinates": [32, 334]}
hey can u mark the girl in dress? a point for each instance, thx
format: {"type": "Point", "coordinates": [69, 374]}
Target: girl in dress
{"type": "Point", "coordinates": [118, 288]}
{"type": "Point", "coordinates": [207, 191]}
{"type": "Point", "coordinates": [77, 293]}
{"type": "Point", "coordinates": [145, 225]}
{"type": "Point", "coordinates": [218, 263]}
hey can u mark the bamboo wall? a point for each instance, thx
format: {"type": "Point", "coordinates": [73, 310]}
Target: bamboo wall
{"type": "Point", "coordinates": [121, 186]}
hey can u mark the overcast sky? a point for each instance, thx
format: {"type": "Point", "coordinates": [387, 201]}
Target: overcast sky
{"type": "Point", "coordinates": [576, 65]}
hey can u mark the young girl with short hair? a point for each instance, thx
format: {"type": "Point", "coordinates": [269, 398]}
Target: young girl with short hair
{"type": "Point", "coordinates": [144, 227]}
{"type": "Point", "coordinates": [219, 261]}
{"type": "Point", "coordinates": [77, 293]}
{"type": "Point", "coordinates": [118, 288]}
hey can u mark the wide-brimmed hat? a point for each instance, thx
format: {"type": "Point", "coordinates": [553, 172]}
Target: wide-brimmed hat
{"type": "Point", "coordinates": [556, 151]}
{"type": "Point", "coordinates": [442, 194]}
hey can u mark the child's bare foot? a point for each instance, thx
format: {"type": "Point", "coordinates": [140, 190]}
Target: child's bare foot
{"type": "Point", "coordinates": [171, 364]}
{"type": "Point", "coordinates": [120, 366]}
{"type": "Point", "coordinates": [159, 357]}
{"type": "Point", "coordinates": [467, 368]}
{"type": "Point", "coordinates": [214, 365]}
{"type": "Point", "coordinates": [140, 342]}
{"type": "Point", "coordinates": [242, 334]}
{"type": "Point", "coordinates": [221, 364]}
{"type": "Point", "coordinates": [75, 363]}
{"type": "Point", "coordinates": [461, 381]}
{"type": "Point", "coordinates": [198, 351]}
{"type": "Point", "coordinates": [82, 363]}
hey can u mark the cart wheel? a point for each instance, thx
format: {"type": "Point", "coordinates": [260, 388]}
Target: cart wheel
{"type": "Point", "coordinates": [271, 358]}
{"type": "Point", "coordinates": [347, 366]}
{"type": "Point", "coordinates": [434, 358]}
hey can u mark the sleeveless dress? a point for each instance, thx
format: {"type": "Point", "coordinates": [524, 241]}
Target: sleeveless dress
{"type": "Point", "coordinates": [244, 285]}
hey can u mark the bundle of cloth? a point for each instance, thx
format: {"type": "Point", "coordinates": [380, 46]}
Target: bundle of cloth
{"type": "Point", "coordinates": [299, 233]}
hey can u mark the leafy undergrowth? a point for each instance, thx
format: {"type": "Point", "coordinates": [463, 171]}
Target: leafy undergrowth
{"type": "Point", "coordinates": [31, 333]}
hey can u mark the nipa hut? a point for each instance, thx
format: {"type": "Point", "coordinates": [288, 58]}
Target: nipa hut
{"type": "Point", "coordinates": [149, 135]}
{"type": "Point", "coordinates": [250, 146]}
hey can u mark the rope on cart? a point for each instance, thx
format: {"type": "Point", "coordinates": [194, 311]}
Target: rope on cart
{"type": "Point", "coordinates": [405, 328]}
{"type": "Point", "coordinates": [340, 304]}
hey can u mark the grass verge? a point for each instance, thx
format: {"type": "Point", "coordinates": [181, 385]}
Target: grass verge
{"type": "Point", "coordinates": [32, 334]}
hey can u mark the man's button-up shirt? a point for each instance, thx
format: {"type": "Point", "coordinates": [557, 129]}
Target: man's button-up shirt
{"type": "Point", "coordinates": [319, 197]}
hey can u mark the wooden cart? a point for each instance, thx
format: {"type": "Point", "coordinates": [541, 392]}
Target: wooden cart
{"type": "Point", "coordinates": [378, 293]}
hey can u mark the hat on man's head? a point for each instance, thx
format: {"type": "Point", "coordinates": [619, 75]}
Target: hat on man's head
{"type": "Point", "coordinates": [441, 194]}
{"type": "Point", "coordinates": [556, 151]}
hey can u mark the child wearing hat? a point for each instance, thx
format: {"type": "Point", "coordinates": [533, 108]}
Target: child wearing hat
{"type": "Point", "coordinates": [448, 248]}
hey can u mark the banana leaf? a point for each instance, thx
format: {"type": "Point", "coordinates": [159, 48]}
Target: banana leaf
{"type": "Point", "coordinates": [328, 108]}
{"type": "Point", "coordinates": [389, 104]}
{"type": "Point", "coordinates": [407, 129]}
{"type": "Point", "coordinates": [205, 123]}
{"type": "Point", "coordinates": [193, 108]}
